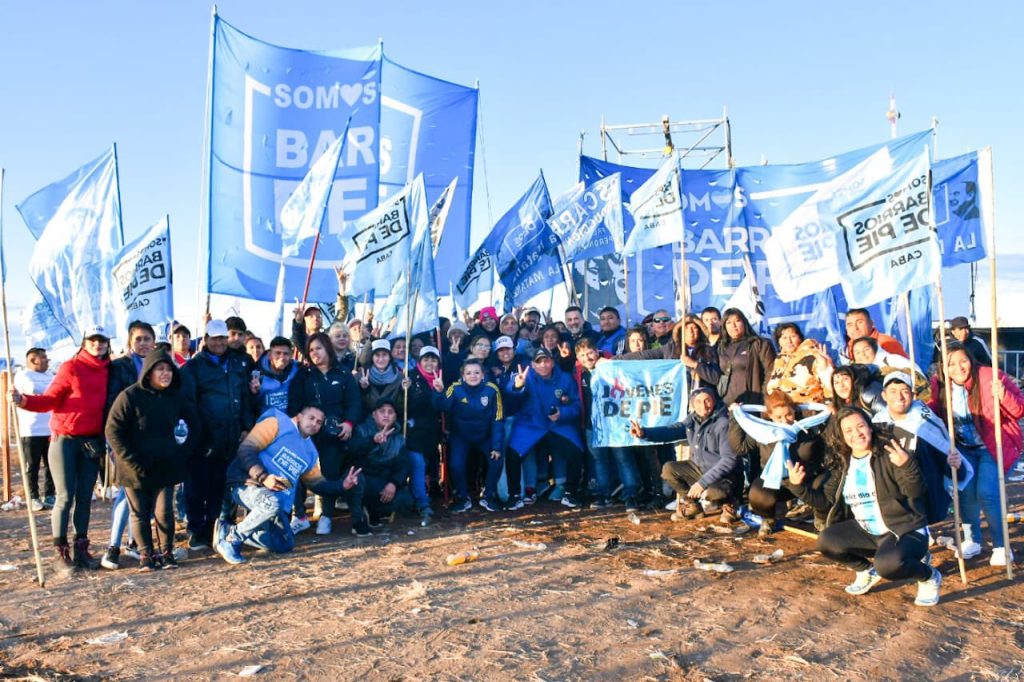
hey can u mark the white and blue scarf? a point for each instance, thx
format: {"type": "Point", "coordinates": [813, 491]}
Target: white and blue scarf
{"type": "Point", "coordinates": [783, 435]}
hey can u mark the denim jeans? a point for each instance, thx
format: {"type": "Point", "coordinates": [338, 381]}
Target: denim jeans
{"type": "Point", "coordinates": [266, 525]}
{"type": "Point", "coordinates": [608, 461]}
{"type": "Point", "coordinates": [418, 480]}
{"type": "Point", "coordinates": [982, 494]}
{"type": "Point", "coordinates": [120, 514]}
{"type": "Point", "coordinates": [458, 460]}
{"type": "Point", "coordinates": [370, 493]}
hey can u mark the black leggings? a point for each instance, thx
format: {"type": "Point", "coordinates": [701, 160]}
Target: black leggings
{"type": "Point", "coordinates": [763, 500]}
{"type": "Point", "coordinates": [35, 449]}
{"type": "Point", "coordinates": [146, 503]}
{"type": "Point", "coordinates": [558, 446]}
{"type": "Point", "coordinates": [895, 558]}
{"type": "Point", "coordinates": [682, 475]}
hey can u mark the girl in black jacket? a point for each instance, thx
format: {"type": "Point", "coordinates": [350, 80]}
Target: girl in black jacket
{"type": "Point", "coordinates": [875, 499]}
{"type": "Point", "coordinates": [147, 430]}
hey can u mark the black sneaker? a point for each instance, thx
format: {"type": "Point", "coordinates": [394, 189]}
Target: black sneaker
{"type": "Point", "coordinates": [372, 520]}
{"type": "Point", "coordinates": [111, 559]}
{"type": "Point", "coordinates": [600, 503]}
{"type": "Point", "coordinates": [461, 506]}
{"type": "Point", "coordinates": [361, 529]}
{"type": "Point", "coordinates": [569, 500]}
{"type": "Point", "coordinates": [197, 542]}
{"type": "Point", "coordinates": [489, 504]}
{"type": "Point", "coordinates": [167, 560]}
{"type": "Point", "coordinates": [632, 505]}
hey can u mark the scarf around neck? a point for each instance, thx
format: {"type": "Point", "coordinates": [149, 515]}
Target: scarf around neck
{"type": "Point", "coordinates": [767, 432]}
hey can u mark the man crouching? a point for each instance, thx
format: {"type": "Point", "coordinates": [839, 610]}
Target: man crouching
{"type": "Point", "coordinates": [271, 460]}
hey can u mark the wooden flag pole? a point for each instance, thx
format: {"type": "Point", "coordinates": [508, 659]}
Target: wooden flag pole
{"type": "Point", "coordinates": [17, 427]}
{"type": "Point", "coordinates": [989, 207]}
{"type": "Point", "coordinates": [625, 277]}
{"type": "Point", "coordinates": [309, 271]}
{"type": "Point", "coordinates": [948, 392]}
{"type": "Point", "coordinates": [685, 303]}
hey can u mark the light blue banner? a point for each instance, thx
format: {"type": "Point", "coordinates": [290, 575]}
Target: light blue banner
{"type": "Point", "coordinates": [144, 278]}
{"type": "Point", "coordinates": [78, 223]}
{"type": "Point", "coordinates": [588, 219]}
{"type": "Point", "coordinates": [650, 392]}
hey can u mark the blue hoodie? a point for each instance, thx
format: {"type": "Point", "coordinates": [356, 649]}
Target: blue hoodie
{"type": "Point", "coordinates": [533, 403]}
{"type": "Point", "coordinates": [476, 413]}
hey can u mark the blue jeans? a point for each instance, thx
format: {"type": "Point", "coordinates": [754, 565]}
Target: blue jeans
{"type": "Point", "coordinates": [119, 518]}
{"type": "Point", "coordinates": [370, 488]}
{"type": "Point", "coordinates": [265, 526]}
{"type": "Point", "coordinates": [982, 494]}
{"type": "Point", "coordinates": [624, 463]}
{"type": "Point", "coordinates": [418, 480]}
{"type": "Point", "coordinates": [458, 458]}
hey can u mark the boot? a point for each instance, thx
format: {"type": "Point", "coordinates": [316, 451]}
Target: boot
{"type": "Point", "coordinates": [146, 563]}
{"type": "Point", "coordinates": [82, 557]}
{"type": "Point", "coordinates": [62, 563]}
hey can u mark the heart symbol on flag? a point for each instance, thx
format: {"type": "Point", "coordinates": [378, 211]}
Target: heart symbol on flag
{"type": "Point", "coordinates": [722, 197]}
{"type": "Point", "coordinates": [350, 93]}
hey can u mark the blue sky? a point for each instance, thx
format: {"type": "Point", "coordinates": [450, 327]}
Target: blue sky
{"type": "Point", "coordinates": [801, 80]}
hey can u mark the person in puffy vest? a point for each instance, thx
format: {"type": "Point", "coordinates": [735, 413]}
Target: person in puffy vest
{"type": "Point", "coordinates": [77, 398]}
{"type": "Point", "coordinates": [271, 460]}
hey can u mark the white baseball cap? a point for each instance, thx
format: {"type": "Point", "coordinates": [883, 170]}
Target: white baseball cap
{"type": "Point", "coordinates": [95, 331]}
{"type": "Point", "coordinates": [216, 328]}
{"type": "Point", "coordinates": [380, 344]}
{"type": "Point", "coordinates": [503, 342]}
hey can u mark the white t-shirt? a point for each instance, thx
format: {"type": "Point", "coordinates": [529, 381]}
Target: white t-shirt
{"type": "Point", "coordinates": [862, 497]}
{"type": "Point", "coordinates": [29, 382]}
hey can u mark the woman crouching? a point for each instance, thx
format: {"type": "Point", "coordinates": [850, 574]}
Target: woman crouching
{"type": "Point", "coordinates": [875, 502]}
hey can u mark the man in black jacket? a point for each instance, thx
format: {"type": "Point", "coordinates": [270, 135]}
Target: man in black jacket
{"type": "Point", "coordinates": [578, 327]}
{"type": "Point", "coordinates": [713, 473]}
{"type": "Point", "coordinates": [960, 328]}
{"type": "Point", "coordinates": [378, 448]}
{"type": "Point", "coordinates": [223, 393]}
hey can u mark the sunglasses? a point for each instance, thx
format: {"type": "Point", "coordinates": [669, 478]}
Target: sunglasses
{"type": "Point", "coordinates": [661, 319]}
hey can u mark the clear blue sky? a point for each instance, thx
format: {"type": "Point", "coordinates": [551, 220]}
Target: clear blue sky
{"type": "Point", "coordinates": [802, 80]}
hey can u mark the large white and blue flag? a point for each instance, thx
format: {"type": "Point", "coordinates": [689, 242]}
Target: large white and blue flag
{"type": "Point", "coordinates": [77, 222]}
{"type": "Point", "coordinates": [524, 248]}
{"type": "Point", "coordinates": [377, 245]}
{"type": "Point", "coordinates": [657, 210]}
{"type": "Point", "coordinates": [417, 306]}
{"type": "Point", "coordinates": [588, 219]}
{"type": "Point", "coordinates": [886, 242]}
{"type": "Point", "coordinates": [143, 275]}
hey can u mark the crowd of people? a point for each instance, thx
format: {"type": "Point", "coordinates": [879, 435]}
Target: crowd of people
{"type": "Point", "coordinates": [230, 434]}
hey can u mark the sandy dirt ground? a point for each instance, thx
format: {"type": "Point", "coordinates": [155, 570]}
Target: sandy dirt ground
{"type": "Point", "coordinates": [581, 608]}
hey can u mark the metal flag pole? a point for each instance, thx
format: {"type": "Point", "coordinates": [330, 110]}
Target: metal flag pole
{"type": "Point", "coordinates": [17, 427]}
{"type": "Point", "coordinates": [989, 206]}
{"type": "Point", "coordinates": [206, 187]}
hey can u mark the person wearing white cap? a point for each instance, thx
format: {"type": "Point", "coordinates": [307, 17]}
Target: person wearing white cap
{"type": "Point", "coordinates": [77, 398]}
{"type": "Point", "coordinates": [219, 384]}
{"type": "Point", "coordinates": [924, 436]}
{"type": "Point", "coordinates": [424, 429]}
{"type": "Point", "coordinates": [382, 379]}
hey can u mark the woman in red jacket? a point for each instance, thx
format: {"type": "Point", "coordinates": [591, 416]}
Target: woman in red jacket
{"type": "Point", "coordinates": [76, 397]}
{"type": "Point", "coordinates": [974, 423]}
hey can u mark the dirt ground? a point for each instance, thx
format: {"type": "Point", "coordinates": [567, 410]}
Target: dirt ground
{"type": "Point", "coordinates": [389, 608]}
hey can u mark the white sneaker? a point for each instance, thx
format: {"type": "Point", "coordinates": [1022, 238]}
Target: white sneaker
{"type": "Point", "coordinates": [671, 506]}
{"type": "Point", "coordinates": [928, 590]}
{"type": "Point", "coordinates": [323, 526]}
{"type": "Point", "coordinates": [999, 556]}
{"type": "Point", "coordinates": [863, 583]}
{"type": "Point", "coordinates": [971, 550]}
{"type": "Point", "coordinates": [299, 524]}
{"type": "Point", "coordinates": [37, 505]}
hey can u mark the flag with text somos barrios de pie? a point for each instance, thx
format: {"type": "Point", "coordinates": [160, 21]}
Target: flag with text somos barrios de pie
{"type": "Point", "coordinates": [886, 242]}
